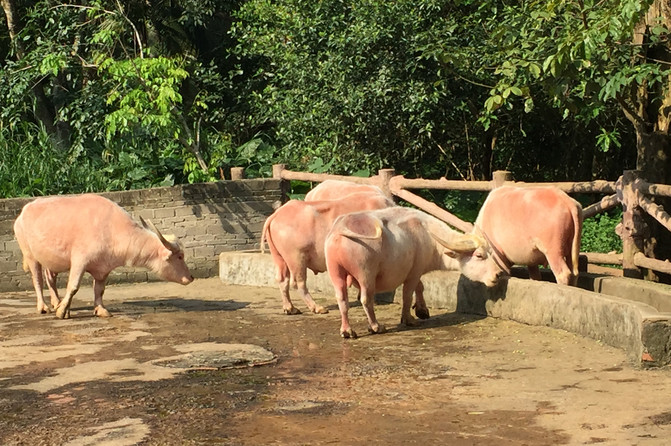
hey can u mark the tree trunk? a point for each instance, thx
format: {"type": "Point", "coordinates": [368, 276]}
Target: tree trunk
{"type": "Point", "coordinates": [44, 110]}
{"type": "Point", "coordinates": [649, 109]}
{"type": "Point", "coordinates": [653, 162]}
{"type": "Point", "coordinates": [488, 154]}
{"type": "Point", "coordinates": [10, 13]}
{"type": "Point", "coordinates": [192, 144]}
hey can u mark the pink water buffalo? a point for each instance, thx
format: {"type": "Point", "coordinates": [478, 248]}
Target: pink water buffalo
{"type": "Point", "coordinates": [380, 250]}
{"type": "Point", "coordinates": [336, 189]}
{"type": "Point", "coordinates": [296, 232]}
{"type": "Point", "coordinates": [89, 233]}
{"type": "Point", "coordinates": [529, 226]}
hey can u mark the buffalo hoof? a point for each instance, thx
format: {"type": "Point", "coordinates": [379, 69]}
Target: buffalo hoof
{"type": "Point", "coordinates": [62, 313]}
{"type": "Point", "coordinates": [101, 312]}
{"type": "Point", "coordinates": [379, 330]}
{"type": "Point", "coordinates": [292, 311]}
{"type": "Point", "coordinates": [320, 310]}
{"type": "Point", "coordinates": [422, 313]}
{"type": "Point", "coordinates": [409, 321]}
{"type": "Point", "coordinates": [347, 334]}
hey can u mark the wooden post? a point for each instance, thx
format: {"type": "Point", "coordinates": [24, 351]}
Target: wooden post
{"type": "Point", "coordinates": [284, 184]}
{"type": "Point", "coordinates": [630, 230]}
{"type": "Point", "coordinates": [237, 173]}
{"type": "Point", "coordinates": [385, 175]}
{"type": "Point", "coordinates": [499, 177]}
{"type": "Point", "coordinates": [277, 170]}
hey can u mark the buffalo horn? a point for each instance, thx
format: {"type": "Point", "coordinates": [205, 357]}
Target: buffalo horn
{"type": "Point", "coordinates": [460, 243]}
{"type": "Point", "coordinates": [150, 225]}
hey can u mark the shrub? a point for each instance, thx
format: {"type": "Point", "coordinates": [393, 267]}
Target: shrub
{"type": "Point", "coordinates": [598, 233]}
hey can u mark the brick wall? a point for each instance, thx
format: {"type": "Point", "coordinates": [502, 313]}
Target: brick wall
{"type": "Point", "coordinates": [208, 218]}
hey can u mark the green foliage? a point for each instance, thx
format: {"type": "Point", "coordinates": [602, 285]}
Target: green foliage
{"type": "Point", "coordinates": [101, 80]}
{"type": "Point", "coordinates": [142, 94]}
{"type": "Point", "coordinates": [431, 88]}
{"type": "Point", "coordinates": [463, 204]}
{"type": "Point", "coordinates": [578, 56]}
{"type": "Point", "coordinates": [598, 233]}
{"type": "Point", "coordinates": [355, 83]}
{"type": "Point", "coordinates": [30, 165]}
{"type": "Point", "coordinates": [256, 154]}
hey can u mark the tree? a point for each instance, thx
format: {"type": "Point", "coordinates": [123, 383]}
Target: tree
{"type": "Point", "coordinates": [134, 87]}
{"type": "Point", "coordinates": [347, 86]}
{"type": "Point", "coordinates": [589, 56]}
{"type": "Point", "coordinates": [44, 109]}
{"type": "Point", "coordinates": [406, 84]}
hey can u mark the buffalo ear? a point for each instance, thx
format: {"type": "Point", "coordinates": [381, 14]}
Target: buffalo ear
{"type": "Point", "coordinates": [452, 254]}
{"type": "Point", "coordinates": [166, 254]}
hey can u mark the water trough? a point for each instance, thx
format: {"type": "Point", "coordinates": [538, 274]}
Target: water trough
{"type": "Point", "coordinates": [629, 314]}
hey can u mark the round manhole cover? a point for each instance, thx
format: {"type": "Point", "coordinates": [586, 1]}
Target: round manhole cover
{"type": "Point", "coordinates": [217, 356]}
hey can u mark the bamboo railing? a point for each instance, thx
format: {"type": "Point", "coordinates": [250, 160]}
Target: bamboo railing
{"type": "Point", "coordinates": [629, 191]}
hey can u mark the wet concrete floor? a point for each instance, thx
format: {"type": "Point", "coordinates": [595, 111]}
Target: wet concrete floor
{"type": "Point", "coordinates": [453, 380]}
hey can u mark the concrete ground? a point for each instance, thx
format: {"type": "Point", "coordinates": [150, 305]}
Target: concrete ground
{"type": "Point", "coordinates": [633, 315]}
{"type": "Point", "coordinates": [261, 377]}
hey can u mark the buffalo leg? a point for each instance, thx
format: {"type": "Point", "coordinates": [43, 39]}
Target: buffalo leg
{"type": "Point", "coordinates": [339, 279]}
{"type": "Point", "coordinates": [38, 284]}
{"type": "Point", "coordinates": [301, 284]}
{"type": "Point", "coordinates": [346, 330]}
{"type": "Point", "coordinates": [287, 306]}
{"type": "Point", "coordinates": [53, 291]}
{"type": "Point", "coordinates": [534, 272]}
{"type": "Point", "coordinates": [284, 281]}
{"type": "Point", "coordinates": [406, 317]}
{"type": "Point", "coordinates": [74, 279]}
{"type": "Point", "coordinates": [368, 303]}
{"type": "Point", "coordinates": [421, 310]}
{"type": "Point", "coordinates": [98, 291]}
{"type": "Point", "coordinates": [562, 272]}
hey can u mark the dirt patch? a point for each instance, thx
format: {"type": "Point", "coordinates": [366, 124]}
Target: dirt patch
{"type": "Point", "coordinates": [454, 379]}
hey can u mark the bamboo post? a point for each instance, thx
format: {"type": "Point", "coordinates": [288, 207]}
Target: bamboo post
{"type": "Point", "coordinates": [499, 177]}
{"type": "Point", "coordinates": [385, 175]}
{"type": "Point", "coordinates": [237, 173]}
{"type": "Point", "coordinates": [630, 230]}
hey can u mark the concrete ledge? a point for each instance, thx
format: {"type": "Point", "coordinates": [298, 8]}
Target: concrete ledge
{"type": "Point", "coordinates": [256, 269]}
{"type": "Point", "coordinates": [637, 327]}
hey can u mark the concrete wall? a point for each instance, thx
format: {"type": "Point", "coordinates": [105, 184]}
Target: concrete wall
{"type": "Point", "coordinates": [208, 218]}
